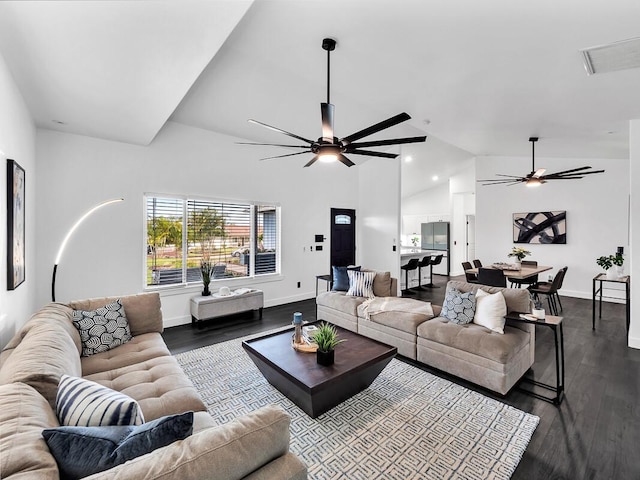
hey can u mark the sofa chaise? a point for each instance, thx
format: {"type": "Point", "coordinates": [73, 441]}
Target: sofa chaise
{"type": "Point", "coordinates": [48, 346]}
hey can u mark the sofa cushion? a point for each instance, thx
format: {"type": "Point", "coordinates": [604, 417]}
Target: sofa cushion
{"type": "Point", "coordinates": [102, 329]}
{"type": "Point", "coordinates": [382, 284]}
{"type": "Point", "coordinates": [517, 299]}
{"type": "Point", "coordinates": [340, 278]}
{"type": "Point", "coordinates": [158, 385]}
{"type": "Point", "coordinates": [45, 352]}
{"type": "Point", "coordinates": [459, 307]}
{"type": "Point", "coordinates": [84, 403]}
{"type": "Point", "coordinates": [233, 450]}
{"type": "Point", "coordinates": [360, 284]}
{"type": "Point", "coordinates": [490, 310]}
{"type": "Point", "coordinates": [475, 339]}
{"type": "Point", "coordinates": [339, 301]}
{"type": "Point", "coordinates": [140, 348]}
{"type": "Point", "coordinates": [24, 413]}
{"type": "Point", "coordinates": [82, 451]}
{"type": "Point", "coordinates": [143, 310]}
{"type": "Point", "coordinates": [401, 313]}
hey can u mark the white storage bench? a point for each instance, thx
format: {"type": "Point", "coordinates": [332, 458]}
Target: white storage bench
{"type": "Point", "coordinates": [215, 305]}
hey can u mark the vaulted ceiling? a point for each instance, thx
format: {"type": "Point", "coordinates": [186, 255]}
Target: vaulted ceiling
{"type": "Point", "coordinates": [482, 76]}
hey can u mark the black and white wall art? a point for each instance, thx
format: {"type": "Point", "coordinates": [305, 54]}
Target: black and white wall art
{"type": "Point", "coordinates": [15, 224]}
{"type": "Point", "coordinates": [540, 227]}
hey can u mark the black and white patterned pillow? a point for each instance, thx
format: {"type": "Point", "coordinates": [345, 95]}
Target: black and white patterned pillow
{"type": "Point", "coordinates": [459, 307]}
{"type": "Point", "coordinates": [102, 329]}
{"type": "Point", "coordinates": [361, 284]}
{"type": "Point", "coordinates": [81, 402]}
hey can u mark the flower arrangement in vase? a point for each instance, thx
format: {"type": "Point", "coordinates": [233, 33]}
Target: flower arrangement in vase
{"type": "Point", "coordinates": [519, 253]}
{"type": "Point", "coordinates": [206, 270]}
{"type": "Point", "coordinates": [609, 262]}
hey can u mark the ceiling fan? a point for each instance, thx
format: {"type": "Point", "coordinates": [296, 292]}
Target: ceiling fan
{"type": "Point", "coordinates": [537, 177]}
{"type": "Point", "coordinates": [329, 148]}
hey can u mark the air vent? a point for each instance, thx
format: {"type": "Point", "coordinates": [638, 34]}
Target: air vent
{"type": "Point", "coordinates": [621, 55]}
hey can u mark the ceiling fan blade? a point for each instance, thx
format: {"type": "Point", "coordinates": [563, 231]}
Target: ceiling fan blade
{"type": "Point", "coordinates": [496, 181]}
{"type": "Point", "coordinates": [282, 156]}
{"type": "Point", "coordinates": [389, 122]}
{"type": "Point", "coordinates": [327, 121]}
{"type": "Point", "coordinates": [379, 143]}
{"type": "Point", "coordinates": [504, 175]}
{"type": "Point", "coordinates": [539, 172]}
{"type": "Point", "coordinates": [557, 176]}
{"type": "Point", "coordinates": [371, 153]}
{"type": "Point", "coordinates": [345, 160]}
{"type": "Point", "coordinates": [279, 130]}
{"type": "Point", "coordinates": [272, 145]}
{"type": "Point", "coordinates": [312, 161]}
{"type": "Point", "coordinates": [580, 169]}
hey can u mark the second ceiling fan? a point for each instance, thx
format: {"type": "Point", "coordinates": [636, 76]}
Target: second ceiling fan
{"type": "Point", "coordinates": [331, 148]}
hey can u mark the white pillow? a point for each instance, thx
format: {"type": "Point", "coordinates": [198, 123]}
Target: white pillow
{"type": "Point", "coordinates": [490, 310]}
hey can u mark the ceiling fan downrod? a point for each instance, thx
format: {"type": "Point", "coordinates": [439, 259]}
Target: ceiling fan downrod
{"type": "Point", "coordinates": [328, 44]}
{"type": "Point", "coordinates": [533, 141]}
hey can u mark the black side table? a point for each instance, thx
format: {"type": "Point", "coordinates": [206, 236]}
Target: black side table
{"type": "Point", "coordinates": [326, 278]}
{"type": "Point", "coordinates": [554, 323]}
{"type": "Point", "coordinates": [627, 296]}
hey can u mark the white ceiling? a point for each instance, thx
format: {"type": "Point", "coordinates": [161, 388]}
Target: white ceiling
{"type": "Point", "coordinates": [487, 75]}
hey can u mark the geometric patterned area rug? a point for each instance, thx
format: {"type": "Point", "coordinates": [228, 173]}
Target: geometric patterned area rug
{"type": "Point", "coordinates": [409, 424]}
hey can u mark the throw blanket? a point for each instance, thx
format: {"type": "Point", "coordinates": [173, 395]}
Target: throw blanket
{"type": "Point", "coordinates": [376, 305]}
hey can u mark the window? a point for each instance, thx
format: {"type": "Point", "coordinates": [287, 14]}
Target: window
{"type": "Point", "coordinates": [241, 239]}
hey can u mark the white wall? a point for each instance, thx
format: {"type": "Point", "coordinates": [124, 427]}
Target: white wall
{"type": "Point", "coordinates": [596, 206]}
{"type": "Point", "coordinates": [463, 202]}
{"type": "Point", "coordinates": [378, 215]}
{"type": "Point", "coordinates": [634, 267]}
{"type": "Point", "coordinates": [106, 255]}
{"type": "Point", "coordinates": [434, 201]}
{"type": "Point", "coordinates": [17, 142]}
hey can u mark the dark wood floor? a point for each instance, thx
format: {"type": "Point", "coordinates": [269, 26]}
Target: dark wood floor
{"type": "Point", "coordinates": [594, 434]}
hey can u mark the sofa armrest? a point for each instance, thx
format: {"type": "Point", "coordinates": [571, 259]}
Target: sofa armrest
{"type": "Point", "coordinates": [230, 451]}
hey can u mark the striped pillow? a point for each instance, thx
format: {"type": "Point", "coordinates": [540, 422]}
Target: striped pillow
{"type": "Point", "coordinates": [83, 403]}
{"type": "Point", "coordinates": [361, 284]}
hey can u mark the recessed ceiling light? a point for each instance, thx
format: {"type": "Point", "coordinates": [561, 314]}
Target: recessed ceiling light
{"type": "Point", "coordinates": [408, 158]}
{"type": "Point", "coordinates": [434, 178]}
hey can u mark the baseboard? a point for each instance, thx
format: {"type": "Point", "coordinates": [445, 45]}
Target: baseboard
{"type": "Point", "coordinates": [634, 342]}
{"type": "Point", "coordinates": [589, 296]}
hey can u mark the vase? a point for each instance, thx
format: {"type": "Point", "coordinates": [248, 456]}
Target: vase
{"type": "Point", "coordinates": [518, 264]}
{"type": "Point", "coordinates": [206, 292]}
{"type": "Point", "coordinates": [612, 274]}
{"type": "Point", "coordinates": [325, 358]}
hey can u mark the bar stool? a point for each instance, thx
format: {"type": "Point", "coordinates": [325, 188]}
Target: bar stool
{"type": "Point", "coordinates": [412, 264]}
{"type": "Point", "coordinates": [425, 262]}
{"type": "Point", "coordinates": [437, 260]}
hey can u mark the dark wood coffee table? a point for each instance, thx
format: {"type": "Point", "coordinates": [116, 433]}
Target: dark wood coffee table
{"type": "Point", "coordinates": [314, 388]}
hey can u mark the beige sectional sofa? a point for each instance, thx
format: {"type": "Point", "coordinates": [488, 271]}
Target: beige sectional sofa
{"type": "Point", "coordinates": [472, 352]}
{"type": "Point", "coordinates": [253, 447]}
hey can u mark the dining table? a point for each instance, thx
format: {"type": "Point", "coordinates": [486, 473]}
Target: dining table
{"type": "Point", "coordinates": [525, 271]}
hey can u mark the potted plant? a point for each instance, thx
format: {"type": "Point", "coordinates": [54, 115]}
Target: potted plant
{"type": "Point", "coordinates": [519, 253]}
{"type": "Point", "coordinates": [415, 240]}
{"type": "Point", "coordinates": [326, 337]}
{"type": "Point", "coordinates": [609, 262]}
{"type": "Point", "coordinates": [206, 270]}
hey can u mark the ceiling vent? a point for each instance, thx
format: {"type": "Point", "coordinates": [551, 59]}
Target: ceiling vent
{"type": "Point", "coordinates": [621, 55]}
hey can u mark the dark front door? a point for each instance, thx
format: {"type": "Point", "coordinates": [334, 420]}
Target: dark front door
{"type": "Point", "coordinates": [343, 236]}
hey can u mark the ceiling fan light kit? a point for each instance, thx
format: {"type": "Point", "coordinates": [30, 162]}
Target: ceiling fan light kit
{"type": "Point", "coordinates": [538, 177]}
{"type": "Point", "coordinates": [329, 148]}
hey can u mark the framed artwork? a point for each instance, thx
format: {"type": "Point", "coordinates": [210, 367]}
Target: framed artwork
{"type": "Point", "coordinates": [15, 225]}
{"type": "Point", "coordinates": [540, 227]}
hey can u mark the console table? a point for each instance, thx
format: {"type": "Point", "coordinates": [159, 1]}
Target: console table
{"type": "Point", "coordinates": [554, 323]}
{"type": "Point", "coordinates": [215, 305]}
{"type": "Point", "coordinates": [627, 296]}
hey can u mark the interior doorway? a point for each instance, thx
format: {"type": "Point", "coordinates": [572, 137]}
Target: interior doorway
{"type": "Point", "coordinates": [471, 238]}
{"type": "Point", "coordinates": [343, 237]}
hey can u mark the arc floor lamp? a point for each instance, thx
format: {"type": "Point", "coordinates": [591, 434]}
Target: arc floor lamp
{"type": "Point", "coordinates": [68, 236]}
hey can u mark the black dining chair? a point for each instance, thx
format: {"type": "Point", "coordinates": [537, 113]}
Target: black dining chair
{"type": "Point", "coordinates": [518, 282]}
{"type": "Point", "coordinates": [471, 277]}
{"type": "Point", "coordinates": [425, 262]}
{"type": "Point", "coordinates": [411, 265]}
{"type": "Point", "coordinates": [492, 277]}
{"type": "Point", "coordinates": [437, 260]}
{"type": "Point", "coordinates": [477, 263]}
{"type": "Point", "coordinates": [550, 290]}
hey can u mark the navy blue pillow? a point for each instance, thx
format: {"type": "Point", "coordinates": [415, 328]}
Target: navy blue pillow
{"type": "Point", "coordinates": [341, 279]}
{"type": "Point", "coordinates": [83, 451]}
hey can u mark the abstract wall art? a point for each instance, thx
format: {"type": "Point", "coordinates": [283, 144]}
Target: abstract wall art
{"type": "Point", "coordinates": [540, 227]}
{"type": "Point", "coordinates": [15, 225]}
